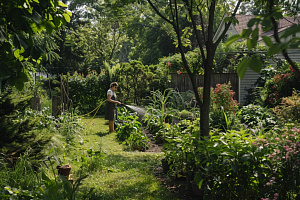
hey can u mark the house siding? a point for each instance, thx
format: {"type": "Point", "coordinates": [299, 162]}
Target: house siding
{"type": "Point", "coordinates": [294, 54]}
{"type": "Point", "coordinates": [251, 77]}
{"type": "Point", "coordinates": [246, 83]}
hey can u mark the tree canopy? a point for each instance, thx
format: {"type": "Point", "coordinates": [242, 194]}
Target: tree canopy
{"type": "Point", "coordinates": [20, 20]}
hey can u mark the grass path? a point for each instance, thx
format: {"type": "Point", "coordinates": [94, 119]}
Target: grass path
{"type": "Point", "coordinates": [125, 175]}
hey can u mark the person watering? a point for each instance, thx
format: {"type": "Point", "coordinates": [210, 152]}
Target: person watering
{"type": "Point", "coordinates": [111, 107]}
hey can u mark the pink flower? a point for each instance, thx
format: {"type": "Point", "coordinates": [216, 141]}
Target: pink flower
{"type": "Point", "coordinates": [179, 72]}
{"type": "Point", "coordinates": [169, 64]}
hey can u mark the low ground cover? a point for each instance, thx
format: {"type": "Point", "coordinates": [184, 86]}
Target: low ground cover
{"type": "Point", "coordinates": [107, 171]}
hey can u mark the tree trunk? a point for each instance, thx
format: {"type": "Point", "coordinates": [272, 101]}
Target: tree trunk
{"type": "Point", "coordinates": [205, 107]}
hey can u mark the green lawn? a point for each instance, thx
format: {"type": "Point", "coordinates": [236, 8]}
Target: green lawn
{"type": "Point", "coordinates": [121, 174]}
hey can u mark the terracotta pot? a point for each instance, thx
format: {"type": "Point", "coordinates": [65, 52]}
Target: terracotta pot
{"type": "Point", "coordinates": [64, 170]}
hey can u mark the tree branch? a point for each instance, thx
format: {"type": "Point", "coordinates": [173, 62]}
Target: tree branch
{"type": "Point", "coordinates": [277, 39]}
{"type": "Point", "coordinates": [157, 11]}
{"type": "Point", "coordinates": [228, 24]}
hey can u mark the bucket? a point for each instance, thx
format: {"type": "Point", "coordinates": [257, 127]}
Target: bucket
{"type": "Point", "coordinates": [64, 170]}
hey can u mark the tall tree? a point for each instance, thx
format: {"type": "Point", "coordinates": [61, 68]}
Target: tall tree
{"type": "Point", "coordinates": [202, 15]}
{"type": "Point", "coordinates": [96, 43]}
{"type": "Point", "coordinates": [20, 20]}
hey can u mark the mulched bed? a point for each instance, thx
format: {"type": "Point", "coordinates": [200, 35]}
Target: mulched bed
{"type": "Point", "coordinates": [178, 186]}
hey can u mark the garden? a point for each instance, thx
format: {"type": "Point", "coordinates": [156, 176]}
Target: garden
{"type": "Point", "coordinates": [56, 67]}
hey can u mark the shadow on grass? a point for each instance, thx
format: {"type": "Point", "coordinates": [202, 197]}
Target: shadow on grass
{"type": "Point", "coordinates": [102, 133]}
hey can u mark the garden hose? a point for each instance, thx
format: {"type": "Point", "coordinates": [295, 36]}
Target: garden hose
{"type": "Point", "coordinates": [96, 109]}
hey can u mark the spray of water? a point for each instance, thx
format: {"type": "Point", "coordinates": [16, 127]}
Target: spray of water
{"type": "Point", "coordinates": [138, 109]}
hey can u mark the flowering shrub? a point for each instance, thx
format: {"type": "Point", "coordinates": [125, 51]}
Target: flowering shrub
{"type": "Point", "coordinates": [223, 106]}
{"type": "Point", "coordinates": [266, 167]}
{"type": "Point", "coordinates": [221, 97]}
{"type": "Point", "coordinates": [281, 85]}
{"type": "Point", "coordinates": [284, 158]}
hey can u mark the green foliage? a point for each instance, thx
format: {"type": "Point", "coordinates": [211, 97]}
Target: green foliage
{"type": "Point", "coordinates": [186, 114]}
{"type": "Point", "coordinates": [175, 65]}
{"type": "Point", "coordinates": [40, 185]}
{"type": "Point", "coordinates": [222, 121]}
{"type": "Point", "coordinates": [91, 162]}
{"type": "Point", "coordinates": [281, 85]}
{"type": "Point", "coordinates": [228, 57]}
{"type": "Point", "coordinates": [97, 42]}
{"type": "Point", "coordinates": [13, 128]}
{"type": "Point", "coordinates": [181, 158]}
{"type": "Point", "coordinates": [289, 108]}
{"type": "Point", "coordinates": [179, 147]}
{"type": "Point", "coordinates": [255, 115]}
{"type": "Point", "coordinates": [69, 126]}
{"type": "Point", "coordinates": [87, 92]}
{"type": "Point", "coordinates": [250, 168]}
{"type": "Point", "coordinates": [21, 20]}
{"type": "Point", "coordinates": [129, 130]}
{"type": "Point", "coordinates": [134, 80]}
{"type": "Point", "coordinates": [267, 19]}
{"type": "Point", "coordinates": [160, 108]}
{"type": "Point", "coordinates": [20, 174]}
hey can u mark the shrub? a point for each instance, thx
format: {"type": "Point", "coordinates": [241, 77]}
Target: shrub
{"type": "Point", "coordinates": [281, 85]}
{"type": "Point", "coordinates": [186, 114]}
{"type": "Point", "coordinates": [129, 130]}
{"type": "Point", "coordinates": [87, 92]}
{"type": "Point", "coordinates": [255, 115]}
{"type": "Point", "coordinates": [180, 146]}
{"type": "Point", "coordinates": [248, 167]}
{"type": "Point", "coordinates": [223, 106]}
{"type": "Point", "coordinates": [223, 98]}
{"type": "Point", "coordinates": [289, 108]}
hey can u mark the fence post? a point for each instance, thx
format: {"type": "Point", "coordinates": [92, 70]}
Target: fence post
{"type": "Point", "coordinates": [56, 106]}
{"type": "Point", "coordinates": [36, 103]}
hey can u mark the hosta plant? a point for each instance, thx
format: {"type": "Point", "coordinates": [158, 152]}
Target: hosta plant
{"type": "Point", "coordinates": [254, 115]}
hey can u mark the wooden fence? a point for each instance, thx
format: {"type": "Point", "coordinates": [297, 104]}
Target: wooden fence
{"type": "Point", "coordinates": [183, 83]}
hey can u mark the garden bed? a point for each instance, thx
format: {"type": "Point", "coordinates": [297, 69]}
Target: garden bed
{"type": "Point", "coordinates": [179, 186]}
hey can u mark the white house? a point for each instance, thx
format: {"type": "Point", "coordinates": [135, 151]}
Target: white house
{"type": "Point", "coordinates": [250, 76]}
